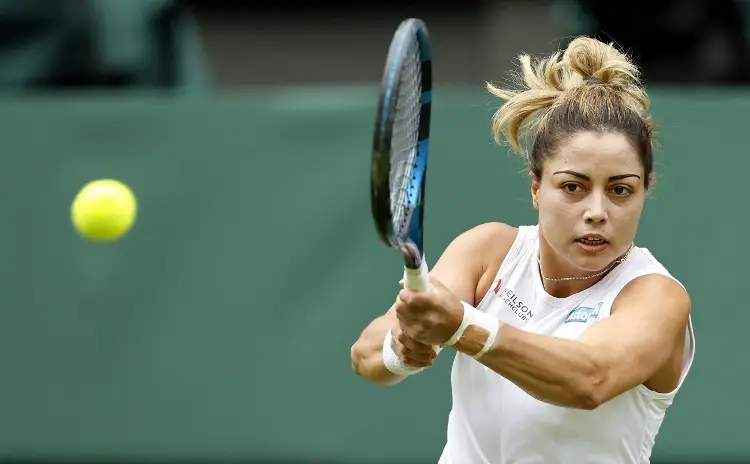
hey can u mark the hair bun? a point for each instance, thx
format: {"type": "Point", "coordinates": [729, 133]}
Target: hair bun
{"type": "Point", "coordinates": [591, 58]}
{"type": "Point", "coordinates": [575, 75]}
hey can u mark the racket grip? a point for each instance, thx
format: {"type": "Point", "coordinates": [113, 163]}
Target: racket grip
{"type": "Point", "coordinates": [417, 279]}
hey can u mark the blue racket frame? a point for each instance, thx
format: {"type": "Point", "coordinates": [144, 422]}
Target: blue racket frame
{"type": "Point", "coordinates": [412, 243]}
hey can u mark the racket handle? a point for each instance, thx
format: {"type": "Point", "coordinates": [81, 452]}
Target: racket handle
{"type": "Point", "coordinates": [417, 279]}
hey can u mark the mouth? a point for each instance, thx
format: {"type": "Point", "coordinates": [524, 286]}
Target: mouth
{"type": "Point", "coordinates": [593, 239]}
{"type": "Point", "coordinates": [592, 242]}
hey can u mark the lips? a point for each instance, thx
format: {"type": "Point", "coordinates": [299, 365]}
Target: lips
{"type": "Point", "coordinates": [592, 240]}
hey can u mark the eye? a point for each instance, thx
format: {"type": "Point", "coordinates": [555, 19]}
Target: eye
{"type": "Point", "coordinates": [622, 190]}
{"type": "Point", "coordinates": [572, 187]}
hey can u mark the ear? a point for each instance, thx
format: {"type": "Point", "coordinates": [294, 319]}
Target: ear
{"type": "Point", "coordinates": [534, 190]}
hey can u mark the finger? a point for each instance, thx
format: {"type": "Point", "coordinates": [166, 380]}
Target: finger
{"type": "Point", "coordinates": [404, 312]}
{"type": "Point", "coordinates": [419, 356]}
{"type": "Point", "coordinates": [410, 297]}
{"type": "Point", "coordinates": [409, 357]}
{"type": "Point", "coordinates": [414, 359]}
{"type": "Point", "coordinates": [413, 297]}
{"type": "Point", "coordinates": [428, 351]}
{"type": "Point", "coordinates": [417, 363]}
{"type": "Point", "coordinates": [396, 331]}
{"type": "Point", "coordinates": [414, 345]}
{"type": "Point", "coordinates": [409, 332]}
{"type": "Point", "coordinates": [400, 308]}
{"type": "Point", "coordinates": [400, 315]}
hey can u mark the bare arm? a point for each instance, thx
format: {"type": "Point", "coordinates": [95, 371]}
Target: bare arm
{"type": "Point", "coordinates": [639, 339]}
{"type": "Point", "coordinates": [461, 267]}
{"type": "Point", "coordinates": [366, 353]}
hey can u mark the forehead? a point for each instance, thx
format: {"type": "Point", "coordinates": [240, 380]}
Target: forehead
{"type": "Point", "coordinates": [591, 152]}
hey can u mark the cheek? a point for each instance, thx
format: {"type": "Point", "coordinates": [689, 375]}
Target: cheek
{"type": "Point", "coordinates": [556, 212]}
{"type": "Point", "coordinates": [628, 216]}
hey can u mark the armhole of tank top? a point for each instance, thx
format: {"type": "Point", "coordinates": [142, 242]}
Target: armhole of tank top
{"type": "Point", "coordinates": [510, 260]}
{"type": "Point", "coordinates": [688, 353]}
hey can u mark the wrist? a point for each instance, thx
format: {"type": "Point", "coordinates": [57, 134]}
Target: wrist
{"type": "Point", "coordinates": [477, 333]}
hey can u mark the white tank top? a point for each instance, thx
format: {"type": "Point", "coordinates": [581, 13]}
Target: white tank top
{"type": "Point", "coordinates": [494, 421]}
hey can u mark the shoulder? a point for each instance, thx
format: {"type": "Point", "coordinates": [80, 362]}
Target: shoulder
{"type": "Point", "coordinates": [465, 261]}
{"type": "Point", "coordinates": [491, 233]}
{"type": "Point", "coordinates": [655, 293]}
{"type": "Point", "coordinates": [489, 241]}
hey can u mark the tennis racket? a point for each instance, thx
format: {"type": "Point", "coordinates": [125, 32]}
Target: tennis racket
{"type": "Point", "coordinates": [400, 148]}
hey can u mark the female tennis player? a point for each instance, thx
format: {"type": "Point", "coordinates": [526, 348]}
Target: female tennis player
{"type": "Point", "coordinates": [571, 342]}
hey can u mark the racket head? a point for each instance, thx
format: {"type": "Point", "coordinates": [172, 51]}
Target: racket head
{"type": "Point", "coordinates": [401, 142]}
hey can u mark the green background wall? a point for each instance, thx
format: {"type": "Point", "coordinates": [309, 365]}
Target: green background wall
{"type": "Point", "coordinates": [221, 326]}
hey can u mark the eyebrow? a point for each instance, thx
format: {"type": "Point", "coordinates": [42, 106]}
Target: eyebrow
{"type": "Point", "coordinates": [585, 177]}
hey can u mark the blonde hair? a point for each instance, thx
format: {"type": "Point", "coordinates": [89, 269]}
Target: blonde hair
{"type": "Point", "coordinates": [590, 87]}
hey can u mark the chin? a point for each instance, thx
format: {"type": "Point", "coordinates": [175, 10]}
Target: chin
{"type": "Point", "coordinates": [593, 262]}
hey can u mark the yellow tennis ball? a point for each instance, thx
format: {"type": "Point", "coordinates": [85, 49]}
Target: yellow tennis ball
{"type": "Point", "coordinates": [104, 210]}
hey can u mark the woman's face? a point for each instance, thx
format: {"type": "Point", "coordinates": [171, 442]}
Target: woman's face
{"type": "Point", "coordinates": [592, 189]}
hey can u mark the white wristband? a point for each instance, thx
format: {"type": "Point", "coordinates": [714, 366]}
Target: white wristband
{"type": "Point", "coordinates": [393, 363]}
{"type": "Point", "coordinates": [475, 317]}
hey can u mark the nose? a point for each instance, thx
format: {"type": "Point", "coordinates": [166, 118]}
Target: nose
{"type": "Point", "coordinates": [596, 209]}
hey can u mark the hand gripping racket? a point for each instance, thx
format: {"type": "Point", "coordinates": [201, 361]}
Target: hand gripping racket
{"type": "Point", "coordinates": [400, 147]}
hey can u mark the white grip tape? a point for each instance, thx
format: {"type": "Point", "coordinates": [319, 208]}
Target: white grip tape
{"type": "Point", "coordinates": [393, 363]}
{"type": "Point", "coordinates": [475, 317]}
{"type": "Point", "coordinates": [417, 279]}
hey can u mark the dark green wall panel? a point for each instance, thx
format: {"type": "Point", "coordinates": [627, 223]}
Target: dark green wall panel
{"type": "Point", "coordinates": [221, 326]}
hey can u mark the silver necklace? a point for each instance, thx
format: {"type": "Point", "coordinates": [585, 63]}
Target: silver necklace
{"type": "Point", "coordinates": [604, 271]}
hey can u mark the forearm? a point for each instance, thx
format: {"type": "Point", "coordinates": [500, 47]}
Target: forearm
{"type": "Point", "coordinates": [555, 370]}
{"type": "Point", "coordinates": [367, 352]}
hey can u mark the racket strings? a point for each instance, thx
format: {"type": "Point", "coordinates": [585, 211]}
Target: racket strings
{"type": "Point", "coordinates": [404, 139]}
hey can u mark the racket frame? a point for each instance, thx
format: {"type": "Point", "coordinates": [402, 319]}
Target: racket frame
{"type": "Point", "coordinates": [411, 246]}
